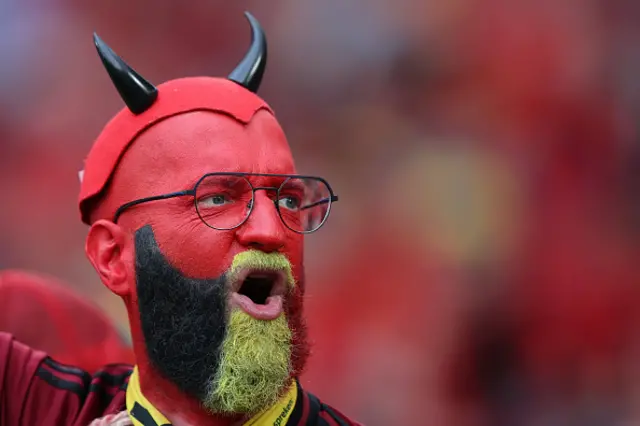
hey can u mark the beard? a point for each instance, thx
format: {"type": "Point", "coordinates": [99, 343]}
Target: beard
{"type": "Point", "coordinates": [231, 362]}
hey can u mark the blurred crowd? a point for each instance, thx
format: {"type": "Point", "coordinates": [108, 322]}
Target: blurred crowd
{"type": "Point", "coordinates": [482, 264]}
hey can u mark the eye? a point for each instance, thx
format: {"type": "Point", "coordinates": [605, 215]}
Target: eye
{"type": "Point", "coordinates": [289, 202]}
{"type": "Point", "coordinates": [216, 200]}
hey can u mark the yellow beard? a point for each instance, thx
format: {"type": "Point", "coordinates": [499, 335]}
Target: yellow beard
{"type": "Point", "coordinates": [254, 366]}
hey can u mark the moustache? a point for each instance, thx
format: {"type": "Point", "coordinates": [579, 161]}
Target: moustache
{"type": "Point", "coordinates": [273, 268]}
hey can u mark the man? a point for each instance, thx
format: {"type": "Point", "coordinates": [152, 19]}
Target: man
{"type": "Point", "coordinates": [46, 315]}
{"type": "Point", "coordinates": [197, 220]}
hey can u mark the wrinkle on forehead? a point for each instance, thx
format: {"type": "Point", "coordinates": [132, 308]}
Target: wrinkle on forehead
{"type": "Point", "coordinates": [176, 152]}
{"type": "Point", "coordinates": [262, 130]}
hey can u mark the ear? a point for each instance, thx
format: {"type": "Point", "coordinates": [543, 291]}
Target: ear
{"type": "Point", "coordinates": [105, 249]}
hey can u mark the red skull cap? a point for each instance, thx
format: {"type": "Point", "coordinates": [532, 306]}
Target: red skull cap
{"type": "Point", "coordinates": [174, 97]}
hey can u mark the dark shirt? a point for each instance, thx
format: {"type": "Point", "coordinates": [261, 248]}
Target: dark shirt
{"type": "Point", "coordinates": [36, 390]}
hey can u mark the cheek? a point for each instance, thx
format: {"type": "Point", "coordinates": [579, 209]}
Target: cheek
{"type": "Point", "coordinates": [201, 252]}
{"type": "Point", "coordinates": [294, 250]}
{"type": "Point", "coordinates": [196, 250]}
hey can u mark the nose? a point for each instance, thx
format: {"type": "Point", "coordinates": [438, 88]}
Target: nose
{"type": "Point", "coordinates": [263, 230]}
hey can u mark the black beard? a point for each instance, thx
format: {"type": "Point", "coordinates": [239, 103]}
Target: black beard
{"type": "Point", "coordinates": [183, 320]}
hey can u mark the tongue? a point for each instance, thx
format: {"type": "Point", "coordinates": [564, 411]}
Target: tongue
{"type": "Point", "coordinates": [271, 309]}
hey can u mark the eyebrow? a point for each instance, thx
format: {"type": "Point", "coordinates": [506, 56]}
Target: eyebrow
{"type": "Point", "coordinates": [295, 185]}
{"type": "Point", "coordinates": [230, 181]}
{"type": "Point", "coordinates": [191, 183]}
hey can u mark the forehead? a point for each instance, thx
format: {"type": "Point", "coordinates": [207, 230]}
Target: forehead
{"type": "Point", "coordinates": [180, 149]}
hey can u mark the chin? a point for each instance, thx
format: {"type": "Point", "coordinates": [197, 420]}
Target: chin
{"type": "Point", "coordinates": [255, 366]}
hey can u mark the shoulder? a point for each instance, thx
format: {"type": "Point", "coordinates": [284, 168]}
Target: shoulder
{"type": "Point", "coordinates": [88, 396]}
{"type": "Point", "coordinates": [18, 366]}
{"type": "Point", "coordinates": [108, 380]}
{"type": "Point", "coordinates": [313, 411]}
{"type": "Point", "coordinates": [36, 389]}
{"type": "Point", "coordinates": [12, 350]}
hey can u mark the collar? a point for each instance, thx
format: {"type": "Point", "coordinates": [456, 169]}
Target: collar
{"type": "Point", "coordinates": [143, 413]}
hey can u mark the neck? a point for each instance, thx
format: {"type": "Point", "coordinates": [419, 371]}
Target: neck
{"type": "Point", "coordinates": [180, 409]}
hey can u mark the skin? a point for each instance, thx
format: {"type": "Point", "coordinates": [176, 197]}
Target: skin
{"type": "Point", "coordinates": [171, 156]}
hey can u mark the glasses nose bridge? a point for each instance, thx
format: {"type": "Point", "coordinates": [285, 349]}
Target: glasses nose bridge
{"type": "Point", "coordinates": [265, 188]}
{"type": "Point", "coordinates": [252, 203]}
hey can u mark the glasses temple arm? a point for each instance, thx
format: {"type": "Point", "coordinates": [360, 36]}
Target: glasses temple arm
{"type": "Point", "coordinates": [323, 201]}
{"type": "Point", "coordinates": [125, 206]}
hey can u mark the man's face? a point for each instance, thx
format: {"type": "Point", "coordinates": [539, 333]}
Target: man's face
{"type": "Point", "coordinates": [187, 310]}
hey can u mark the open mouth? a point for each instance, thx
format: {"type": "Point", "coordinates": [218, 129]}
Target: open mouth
{"type": "Point", "coordinates": [259, 293]}
{"type": "Point", "coordinates": [258, 286]}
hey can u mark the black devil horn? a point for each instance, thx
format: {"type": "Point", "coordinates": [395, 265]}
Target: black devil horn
{"type": "Point", "coordinates": [249, 71]}
{"type": "Point", "coordinates": [136, 92]}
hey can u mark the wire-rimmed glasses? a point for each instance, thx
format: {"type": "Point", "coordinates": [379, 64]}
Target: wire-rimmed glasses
{"type": "Point", "coordinates": [224, 201]}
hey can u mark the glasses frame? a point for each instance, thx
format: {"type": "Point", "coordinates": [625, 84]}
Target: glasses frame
{"type": "Point", "coordinates": [192, 192]}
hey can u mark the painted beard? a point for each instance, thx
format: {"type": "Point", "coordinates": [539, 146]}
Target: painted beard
{"type": "Point", "coordinates": [228, 360]}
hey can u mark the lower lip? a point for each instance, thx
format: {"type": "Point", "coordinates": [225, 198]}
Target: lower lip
{"type": "Point", "coordinates": [271, 310]}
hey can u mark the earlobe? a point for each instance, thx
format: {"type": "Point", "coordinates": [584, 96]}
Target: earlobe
{"type": "Point", "coordinates": [105, 249]}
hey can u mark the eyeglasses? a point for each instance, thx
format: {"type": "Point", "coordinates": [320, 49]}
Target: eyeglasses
{"type": "Point", "coordinates": [224, 201]}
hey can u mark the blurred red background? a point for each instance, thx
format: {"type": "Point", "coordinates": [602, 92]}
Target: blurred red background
{"type": "Point", "coordinates": [481, 266]}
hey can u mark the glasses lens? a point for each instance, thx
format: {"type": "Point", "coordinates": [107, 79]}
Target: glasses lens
{"type": "Point", "coordinates": [224, 201]}
{"type": "Point", "coordinates": [304, 203]}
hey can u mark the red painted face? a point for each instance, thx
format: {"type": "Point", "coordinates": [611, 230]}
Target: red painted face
{"type": "Point", "coordinates": [172, 155]}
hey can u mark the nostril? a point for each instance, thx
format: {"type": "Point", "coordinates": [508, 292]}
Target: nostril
{"type": "Point", "coordinates": [266, 247]}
